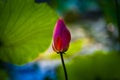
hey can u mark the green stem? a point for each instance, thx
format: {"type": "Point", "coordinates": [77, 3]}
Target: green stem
{"type": "Point", "coordinates": [63, 64]}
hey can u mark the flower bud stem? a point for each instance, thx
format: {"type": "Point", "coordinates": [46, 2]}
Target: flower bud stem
{"type": "Point", "coordinates": [63, 64]}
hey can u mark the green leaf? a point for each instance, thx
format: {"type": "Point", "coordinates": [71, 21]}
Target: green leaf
{"type": "Point", "coordinates": [98, 66]}
{"type": "Point", "coordinates": [25, 29]}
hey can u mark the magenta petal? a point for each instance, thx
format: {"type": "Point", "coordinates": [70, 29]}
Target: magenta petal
{"type": "Point", "coordinates": [61, 37]}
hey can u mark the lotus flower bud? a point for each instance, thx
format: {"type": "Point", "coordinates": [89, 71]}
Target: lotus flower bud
{"type": "Point", "coordinates": [61, 37]}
